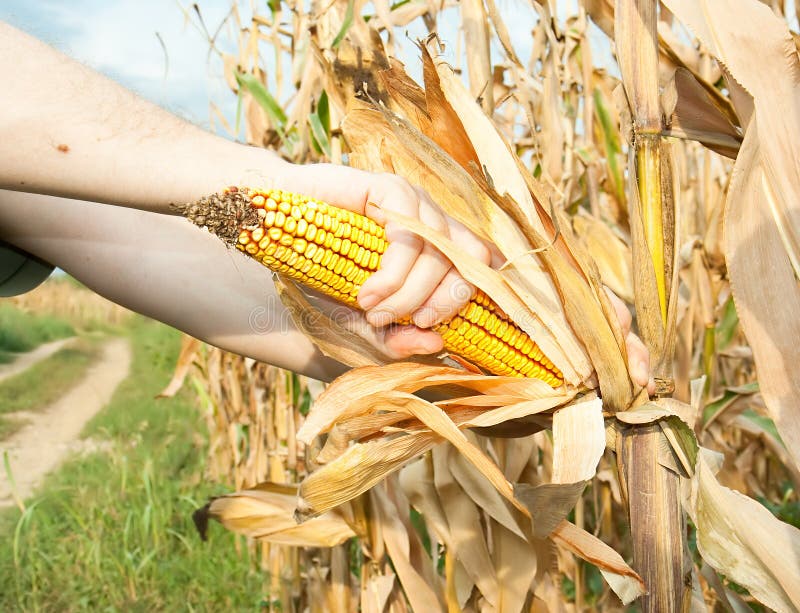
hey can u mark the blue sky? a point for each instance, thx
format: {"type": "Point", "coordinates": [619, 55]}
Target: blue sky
{"type": "Point", "coordinates": [121, 39]}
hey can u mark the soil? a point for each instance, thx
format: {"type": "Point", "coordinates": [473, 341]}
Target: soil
{"type": "Point", "coordinates": [25, 360]}
{"type": "Point", "coordinates": [53, 433]}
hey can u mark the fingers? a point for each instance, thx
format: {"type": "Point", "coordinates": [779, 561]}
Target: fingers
{"type": "Point", "coordinates": [395, 341]}
{"type": "Point", "coordinates": [623, 313]}
{"type": "Point", "coordinates": [402, 253]}
{"type": "Point", "coordinates": [411, 270]}
{"type": "Point", "coordinates": [638, 360]}
{"type": "Point", "coordinates": [638, 355]}
{"type": "Point", "coordinates": [404, 248]}
{"type": "Point", "coordinates": [426, 274]}
{"type": "Point", "coordinates": [400, 342]}
{"type": "Point", "coordinates": [415, 279]}
{"type": "Point", "coordinates": [449, 297]}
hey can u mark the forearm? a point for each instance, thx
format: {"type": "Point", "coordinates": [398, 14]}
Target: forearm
{"type": "Point", "coordinates": [67, 130]}
{"type": "Point", "coordinates": [165, 268]}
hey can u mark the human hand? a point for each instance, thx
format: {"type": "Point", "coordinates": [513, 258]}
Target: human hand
{"type": "Point", "coordinates": [638, 355]}
{"type": "Point", "coordinates": [415, 279]}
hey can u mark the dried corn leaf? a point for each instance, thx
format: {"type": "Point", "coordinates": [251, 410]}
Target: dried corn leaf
{"type": "Point", "coordinates": [189, 348]}
{"type": "Point", "coordinates": [612, 255]}
{"type": "Point", "coordinates": [467, 540]}
{"type": "Point", "coordinates": [359, 468]}
{"type": "Point", "coordinates": [375, 593]}
{"type": "Point", "coordinates": [331, 337]}
{"type": "Point", "coordinates": [579, 440]}
{"type": "Point", "coordinates": [416, 480]}
{"type": "Point", "coordinates": [435, 419]}
{"type": "Point", "coordinates": [516, 410]}
{"type": "Point", "coordinates": [421, 595]}
{"type": "Point", "coordinates": [344, 397]}
{"type": "Point", "coordinates": [549, 503]}
{"type": "Point", "coordinates": [266, 513]}
{"type": "Point", "coordinates": [761, 222]}
{"type": "Point", "coordinates": [621, 577]}
{"type": "Point", "coordinates": [741, 539]}
{"type": "Point", "coordinates": [515, 565]}
{"type": "Point", "coordinates": [482, 492]}
{"type": "Point", "coordinates": [446, 128]}
{"type": "Point", "coordinates": [496, 158]}
{"type": "Point", "coordinates": [693, 113]}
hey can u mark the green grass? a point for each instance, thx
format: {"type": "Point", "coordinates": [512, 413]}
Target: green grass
{"type": "Point", "coordinates": [113, 531]}
{"type": "Point", "coordinates": [45, 381]}
{"type": "Point", "coordinates": [9, 425]}
{"type": "Point", "coordinates": [21, 331]}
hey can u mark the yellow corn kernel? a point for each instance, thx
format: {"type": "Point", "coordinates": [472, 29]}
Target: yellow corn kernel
{"type": "Point", "coordinates": [335, 250]}
{"type": "Point", "coordinates": [257, 234]}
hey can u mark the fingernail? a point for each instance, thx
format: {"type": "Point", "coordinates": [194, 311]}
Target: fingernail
{"type": "Point", "coordinates": [424, 318]}
{"type": "Point", "coordinates": [367, 301]}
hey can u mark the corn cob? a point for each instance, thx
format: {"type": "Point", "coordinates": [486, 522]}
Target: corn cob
{"type": "Point", "coordinates": [334, 250]}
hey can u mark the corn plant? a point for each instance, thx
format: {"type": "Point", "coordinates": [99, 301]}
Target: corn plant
{"type": "Point", "coordinates": [673, 185]}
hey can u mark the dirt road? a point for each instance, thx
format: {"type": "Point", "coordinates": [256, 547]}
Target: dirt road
{"type": "Point", "coordinates": [43, 443]}
{"type": "Point", "coordinates": [26, 360]}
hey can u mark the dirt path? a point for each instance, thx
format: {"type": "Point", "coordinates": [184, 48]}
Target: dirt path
{"type": "Point", "coordinates": [42, 444]}
{"type": "Point", "coordinates": [25, 360]}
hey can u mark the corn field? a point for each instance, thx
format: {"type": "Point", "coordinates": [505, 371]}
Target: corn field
{"type": "Point", "coordinates": [80, 306]}
{"type": "Point", "coordinates": [670, 176]}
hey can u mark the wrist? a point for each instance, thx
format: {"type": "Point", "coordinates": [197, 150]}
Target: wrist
{"type": "Point", "coordinates": [225, 163]}
{"type": "Point", "coordinates": [246, 166]}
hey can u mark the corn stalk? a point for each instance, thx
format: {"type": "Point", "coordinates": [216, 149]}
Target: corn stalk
{"type": "Point", "coordinates": [658, 525]}
{"type": "Point", "coordinates": [524, 168]}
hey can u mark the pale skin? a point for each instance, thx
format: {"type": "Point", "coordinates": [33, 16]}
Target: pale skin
{"type": "Point", "coordinates": [76, 139]}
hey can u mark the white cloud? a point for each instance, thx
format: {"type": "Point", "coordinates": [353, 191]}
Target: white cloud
{"type": "Point", "coordinates": [120, 39]}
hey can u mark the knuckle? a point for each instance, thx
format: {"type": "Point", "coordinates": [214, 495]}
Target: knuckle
{"type": "Point", "coordinates": [390, 285]}
{"type": "Point", "coordinates": [396, 183]}
{"type": "Point", "coordinates": [461, 292]}
{"type": "Point", "coordinates": [482, 252]}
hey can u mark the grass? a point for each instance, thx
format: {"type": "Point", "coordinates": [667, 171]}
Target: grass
{"type": "Point", "coordinates": [43, 383]}
{"type": "Point", "coordinates": [9, 425]}
{"type": "Point", "coordinates": [113, 531]}
{"type": "Point", "coordinates": [22, 331]}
